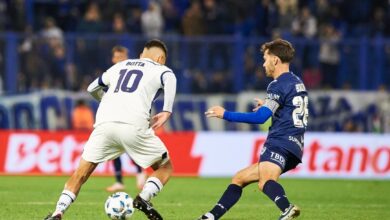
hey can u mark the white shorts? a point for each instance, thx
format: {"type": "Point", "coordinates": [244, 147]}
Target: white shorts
{"type": "Point", "coordinates": [109, 140]}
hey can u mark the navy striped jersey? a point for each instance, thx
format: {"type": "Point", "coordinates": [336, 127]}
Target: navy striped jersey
{"type": "Point", "coordinates": [289, 122]}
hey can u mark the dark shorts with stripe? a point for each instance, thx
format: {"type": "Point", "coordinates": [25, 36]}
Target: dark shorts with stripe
{"type": "Point", "coordinates": [279, 156]}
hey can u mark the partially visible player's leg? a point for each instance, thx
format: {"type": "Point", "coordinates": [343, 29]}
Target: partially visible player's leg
{"type": "Point", "coordinates": [233, 192]}
{"type": "Point", "coordinates": [140, 177]}
{"type": "Point", "coordinates": [157, 180]}
{"type": "Point", "coordinates": [147, 150]}
{"type": "Point", "coordinates": [118, 185]}
{"type": "Point", "coordinates": [99, 147]}
{"type": "Point", "coordinates": [152, 187]}
{"type": "Point", "coordinates": [73, 185]}
{"type": "Point", "coordinates": [273, 162]}
{"type": "Point", "coordinates": [118, 170]}
{"type": "Point", "coordinates": [269, 175]}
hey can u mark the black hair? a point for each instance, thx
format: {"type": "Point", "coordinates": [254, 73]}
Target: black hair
{"type": "Point", "coordinates": [157, 43]}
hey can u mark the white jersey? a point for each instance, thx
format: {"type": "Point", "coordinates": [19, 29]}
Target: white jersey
{"type": "Point", "coordinates": [132, 87]}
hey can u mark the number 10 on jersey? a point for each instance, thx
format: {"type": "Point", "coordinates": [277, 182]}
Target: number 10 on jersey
{"type": "Point", "coordinates": [128, 80]}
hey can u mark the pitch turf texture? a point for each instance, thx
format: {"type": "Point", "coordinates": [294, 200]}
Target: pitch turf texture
{"type": "Point", "coordinates": [187, 198]}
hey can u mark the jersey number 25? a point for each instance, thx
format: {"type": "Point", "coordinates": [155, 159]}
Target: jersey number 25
{"type": "Point", "coordinates": [301, 112]}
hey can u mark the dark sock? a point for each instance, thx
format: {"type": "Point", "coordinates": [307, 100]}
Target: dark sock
{"type": "Point", "coordinates": [228, 199]}
{"type": "Point", "coordinates": [276, 193]}
{"type": "Point", "coordinates": [139, 169]}
{"type": "Point", "coordinates": [118, 169]}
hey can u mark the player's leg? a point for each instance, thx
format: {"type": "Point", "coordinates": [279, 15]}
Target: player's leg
{"type": "Point", "coordinates": [118, 170]}
{"type": "Point", "coordinates": [118, 185]}
{"type": "Point", "coordinates": [140, 177]}
{"type": "Point", "coordinates": [157, 180]}
{"type": "Point", "coordinates": [233, 192]}
{"type": "Point", "coordinates": [100, 147]}
{"type": "Point", "coordinates": [147, 150]}
{"type": "Point", "coordinates": [72, 187]}
{"type": "Point", "coordinates": [273, 163]}
{"type": "Point", "coordinates": [153, 185]}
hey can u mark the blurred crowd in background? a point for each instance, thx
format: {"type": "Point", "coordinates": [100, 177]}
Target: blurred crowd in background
{"type": "Point", "coordinates": [55, 49]}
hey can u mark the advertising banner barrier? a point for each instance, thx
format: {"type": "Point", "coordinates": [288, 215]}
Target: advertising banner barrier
{"type": "Point", "coordinates": [327, 155]}
{"type": "Point", "coordinates": [328, 111]}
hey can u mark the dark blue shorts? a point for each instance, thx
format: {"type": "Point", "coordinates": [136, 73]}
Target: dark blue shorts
{"type": "Point", "coordinates": [279, 156]}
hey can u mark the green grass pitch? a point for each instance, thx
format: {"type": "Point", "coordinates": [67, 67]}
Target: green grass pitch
{"type": "Point", "coordinates": [187, 198]}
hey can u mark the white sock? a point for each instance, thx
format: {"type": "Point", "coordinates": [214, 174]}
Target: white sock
{"type": "Point", "coordinates": [151, 188]}
{"type": "Point", "coordinates": [66, 198]}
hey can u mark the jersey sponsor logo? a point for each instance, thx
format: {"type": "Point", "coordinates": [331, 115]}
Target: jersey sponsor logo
{"type": "Point", "coordinates": [300, 87]}
{"type": "Point", "coordinates": [273, 96]}
{"type": "Point", "coordinates": [296, 141]}
{"type": "Point", "coordinates": [278, 158]}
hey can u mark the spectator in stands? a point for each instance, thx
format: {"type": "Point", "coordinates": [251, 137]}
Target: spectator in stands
{"type": "Point", "coordinates": [91, 23]}
{"type": "Point", "coordinates": [152, 21]}
{"type": "Point", "coordinates": [287, 11]}
{"type": "Point", "coordinates": [305, 25]}
{"type": "Point", "coordinates": [378, 25]}
{"type": "Point", "coordinates": [193, 22]}
{"type": "Point", "coordinates": [52, 33]}
{"type": "Point", "coordinates": [266, 17]}
{"type": "Point", "coordinates": [118, 24]}
{"type": "Point", "coordinates": [4, 18]}
{"type": "Point", "coordinates": [350, 126]}
{"type": "Point", "coordinates": [82, 116]}
{"type": "Point", "coordinates": [199, 83]}
{"type": "Point", "coordinates": [57, 67]}
{"type": "Point", "coordinates": [329, 56]}
{"type": "Point", "coordinates": [35, 73]}
{"type": "Point", "coordinates": [89, 59]}
{"type": "Point", "coordinates": [17, 14]}
{"type": "Point", "coordinates": [134, 20]}
{"type": "Point", "coordinates": [220, 83]}
{"type": "Point", "coordinates": [171, 17]}
{"type": "Point", "coordinates": [214, 17]}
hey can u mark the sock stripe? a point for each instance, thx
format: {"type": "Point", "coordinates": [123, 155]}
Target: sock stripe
{"type": "Point", "coordinates": [220, 205]}
{"type": "Point", "coordinates": [150, 181]}
{"type": "Point", "coordinates": [68, 196]}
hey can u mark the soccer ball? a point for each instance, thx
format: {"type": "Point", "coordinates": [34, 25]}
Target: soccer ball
{"type": "Point", "coordinates": [119, 206]}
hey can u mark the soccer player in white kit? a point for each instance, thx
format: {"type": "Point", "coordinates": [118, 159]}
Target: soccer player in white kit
{"type": "Point", "coordinates": [124, 124]}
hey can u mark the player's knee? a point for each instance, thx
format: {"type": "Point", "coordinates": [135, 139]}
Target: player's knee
{"type": "Point", "coordinates": [169, 167]}
{"type": "Point", "coordinates": [238, 180]}
{"type": "Point", "coordinates": [166, 166]}
{"type": "Point", "coordinates": [261, 184]}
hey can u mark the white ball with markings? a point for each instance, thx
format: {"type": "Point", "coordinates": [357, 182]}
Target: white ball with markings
{"type": "Point", "coordinates": [119, 206]}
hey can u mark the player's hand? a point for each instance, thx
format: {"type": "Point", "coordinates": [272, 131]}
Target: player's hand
{"type": "Point", "coordinates": [159, 119]}
{"type": "Point", "coordinates": [215, 111]}
{"type": "Point", "coordinates": [258, 104]}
